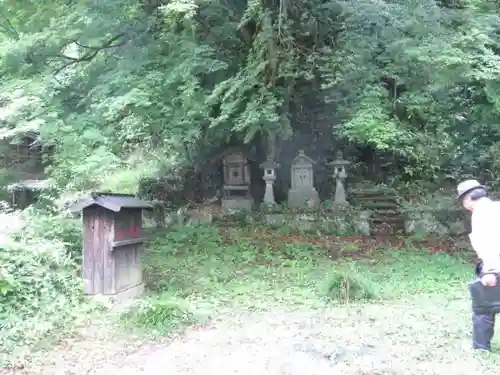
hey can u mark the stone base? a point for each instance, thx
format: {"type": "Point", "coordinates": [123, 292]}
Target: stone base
{"type": "Point", "coordinates": [339, 224]}
{"type": "Point", "coordinates": [120, 297]}
{"type": "Point", "coordinates": [432, 222]}
{"type": "Point", "coordinates": [341, 203]}
{"type": "Point", "coordinates": [237, 203]}
{"type": "Point", "coordinates": [302, 198]}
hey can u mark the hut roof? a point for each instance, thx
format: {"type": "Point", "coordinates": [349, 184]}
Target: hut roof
{"type": "Point", "coordinates": [112, 202]}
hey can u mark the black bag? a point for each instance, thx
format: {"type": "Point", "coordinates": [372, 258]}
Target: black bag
{"type": "Point", "coordinates": [479, 268]}
{"type": "Point", "coordinates": [485, 299]}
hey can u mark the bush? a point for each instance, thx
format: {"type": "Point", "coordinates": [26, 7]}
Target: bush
{"type": "Point", "coordinates": [59, 227]}
{"type": "Point", "coordinates": [39, 288]}
{"type": "Point", "coordinates": [160, 315]}
{"type": "Point", "coordinates": [348, 286]}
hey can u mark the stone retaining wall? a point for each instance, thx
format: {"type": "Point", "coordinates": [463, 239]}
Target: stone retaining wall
{"type": "Point", "coordinates": [441, 222]}
{"type": "Point", "coordinates": [350, 222]}
{"type": "Point", "coordinates": [333, 223]}
{"type": "Point", "coordinates": [341, 221]}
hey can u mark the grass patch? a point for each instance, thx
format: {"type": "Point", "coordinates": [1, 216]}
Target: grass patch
{"type": "Point", "coordinates": [257, 269]}
{"type": "Point", "coordinates": [206, 265]}
{"type": "Point", "coordinates": [349, 285]}
{"type": "Point", "coordinates": [160, 315]}
{"type": "Point", "coordinates": [408, 305]}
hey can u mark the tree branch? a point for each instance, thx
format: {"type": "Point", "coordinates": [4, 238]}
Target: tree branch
{"type": "Point", "coordinates": [104, 46]}
{"type": "Point", "coordinates": [9, 29]}
{"type": "Point", "coordinates": [93, 51]}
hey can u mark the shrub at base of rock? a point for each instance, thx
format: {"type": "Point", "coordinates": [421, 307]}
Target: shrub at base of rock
{"type": "Point", "coordinates": [348, 286]}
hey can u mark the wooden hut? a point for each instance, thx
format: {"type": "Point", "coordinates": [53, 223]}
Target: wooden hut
{"type": "Point", "coordinates": [112, 241]}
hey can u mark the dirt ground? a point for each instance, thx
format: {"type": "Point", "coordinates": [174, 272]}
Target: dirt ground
{"type": "Point", "coordinates": [415, 337]}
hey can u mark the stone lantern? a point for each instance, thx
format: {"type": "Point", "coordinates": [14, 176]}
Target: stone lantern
{"type": "Point", "coordinates": [269, 167]}
{"type": "Point", "coordinates": [340, 174]}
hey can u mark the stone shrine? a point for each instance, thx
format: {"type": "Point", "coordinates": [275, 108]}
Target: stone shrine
{"type": "Point", "coordinates": [269, 167]}
{"type": "Point", "coordinates": [302, 192]}
{"type": "Point", "coordinates": [236, 189]}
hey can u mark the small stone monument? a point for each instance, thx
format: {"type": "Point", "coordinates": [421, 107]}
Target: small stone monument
{"type": "Point", "coordinates": [302, 192]}
{"type": "Point", "coordinates": [340, 174]}
{"type": "Point", "coordinates": [269, 167]}
{"type": "Point", "coordinates": [236, 182]}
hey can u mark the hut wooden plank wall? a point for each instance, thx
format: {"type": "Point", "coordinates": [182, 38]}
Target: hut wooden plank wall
{"type": "Point", "coordinates": [98, 267]}
{"type": "Point", "coordinates": [128, 235]}
{"type": "Point", "coordinates": [112, 242]}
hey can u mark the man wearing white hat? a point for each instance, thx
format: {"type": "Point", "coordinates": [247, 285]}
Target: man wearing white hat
{"type": "Point", "coordinates": [485, 239]}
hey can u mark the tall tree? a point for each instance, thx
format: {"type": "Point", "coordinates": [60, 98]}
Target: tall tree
{"type": "Point", "coordinates": [123, 89]}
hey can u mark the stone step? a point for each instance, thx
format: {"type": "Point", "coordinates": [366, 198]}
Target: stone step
{"type": "Point", "coordinates": [374, 193]}
{"type": "Point", "coordinates": [377, 205]}
{"type": "Point", "coordinates": [388, 220]}
{"type": "Point", "coordinates": [388, 212]}
{"type": "Point", "coordinates": [370, 200]}
{"type": "Point", "coordinates": [385, 206]}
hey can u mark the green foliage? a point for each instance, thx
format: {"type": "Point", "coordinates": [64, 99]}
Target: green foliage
{"type": "Point", "coordinates": [165, 85]}
{"type": "Point", "coordinates": [211, 267]}
{"type": "Point", "coordinates": [120, 91]}
{"type": "Point", "coordinates": [435, 274]}
{"type": "Point", "coordinates": [373, 124]}
{"type": "Point", "coordinates": [214, 267]}
{"type": "Point", "coordinates": [159, 315]}
{"type": "Point", "coordinates": [53, 227]}
{"type": "Point", "coordinates": [39, 289]}
{"type": "Point", "coordinates": [349, 285]}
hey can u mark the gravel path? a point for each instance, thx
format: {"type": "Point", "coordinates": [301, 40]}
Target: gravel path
{"type": "Point", "coordinates": [343, 341]}
{"type": "Point", "coordinates": [259, 343]}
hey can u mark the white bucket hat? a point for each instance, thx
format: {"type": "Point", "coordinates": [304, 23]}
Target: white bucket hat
{"type": "Point", "coordinates": [467, 186]}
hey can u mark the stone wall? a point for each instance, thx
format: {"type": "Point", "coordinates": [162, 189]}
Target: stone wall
{"type": "Point", "coordinates": [441, 222]}
{"type": "Point", "coordinates": [340, 222]}
{"type": "Point", "coordinates": [336, 220]}
{"type": "Point", "coordinates": [437, 222]}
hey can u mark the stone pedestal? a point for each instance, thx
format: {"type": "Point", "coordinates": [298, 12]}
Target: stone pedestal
{"type": "Point", "coordinates": [237, 203]}
{"type": "Point", "coordinates": [340, 196]}
{"type": "Point", "coordinates": [269, 193]}
{"type": "Point", "coordinates": [303, 197]}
